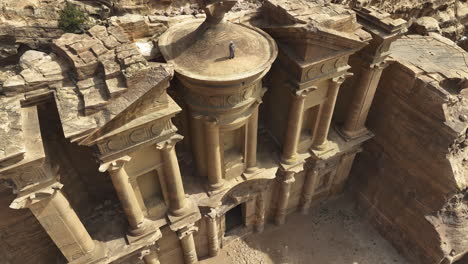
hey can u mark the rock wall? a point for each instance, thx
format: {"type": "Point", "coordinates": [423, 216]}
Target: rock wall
{"type": "Point", "coordinates": [452, 15]}
{"type": "Point", "coordinates": [411, 179]}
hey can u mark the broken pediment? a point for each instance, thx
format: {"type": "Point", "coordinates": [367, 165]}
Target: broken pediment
{"type": "Point", "coordinates": [315, 29]}
{"type": "Point", "coordinates": [307, 44]}
{"type": "Point", "coordinates": [147, 97]}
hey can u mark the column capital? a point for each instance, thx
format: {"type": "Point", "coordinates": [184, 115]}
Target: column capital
{"type": "Point", "coordinates": [116, 164]}
{"type": "Point", "coordinates": [186, 231]}
{"type": "Point", "coordinates": [340, 79]}
{"type": "Point", "coordinates": [302, 93]}
{"type": "Point", "coordinates": [211, 121]}
{"type": "Point", "coordinates": [212, 214]}
{"type": "Point", "coordinates": [287, 177]}
{"type": "Point", "coordinates": [379, 65]}
{"type": "Point", "coordinates": [169, 143]}
{"type": "Point", "coordinates": [26, 200]}
{"type": "Point", "coordinates": [143, 253]}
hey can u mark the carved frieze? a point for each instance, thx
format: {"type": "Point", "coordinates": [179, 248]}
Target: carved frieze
{"type": "Point", "coordinates": [24, 177]}
{"type": "Point", "coordinates": [225, 100]}
{"type": "Point", "coordinates": [323, 69]}
{"type": "Point", "coordinates": [136, 136]}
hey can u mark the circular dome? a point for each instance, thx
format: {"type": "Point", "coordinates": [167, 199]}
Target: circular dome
{"type": "Point", "coordinates": [200, 50]}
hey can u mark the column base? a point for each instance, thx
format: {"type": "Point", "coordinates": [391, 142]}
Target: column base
{"type": "Point", "coordinates": [304, 209]}
{"type": "Point", "coordinates": [290, 160]}
{"type": "Point", "coordinates": [191, 216]}
{"type": "Point", "coordinates": [280, 218]}
{"type": "Point", "coordinates": [181, 211]}
{"type": "Point", "coordinates": [248, 174]}
{"type": "Point", "coordinates": [216, 186]}
{"type": "Point", "coordinates": [259, 228]}
{"type": "Point", "coordinates": [147, 229]}
{"type": "Point", "coordinates": [338, 188]}
{"type": "Point", "coordinates": [251, 170]}
{"type": "Point", "coordinates": [95, 256]}
{"type": "Point", "coordinates": [322, 147]}
{"type": "Point", "coordinates": [351, 135]}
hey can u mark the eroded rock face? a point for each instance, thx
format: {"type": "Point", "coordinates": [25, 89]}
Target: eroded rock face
{"type": "Point", "coordinates": [412, 178]}
{"type": "Point", "coordinates": [452, 15]}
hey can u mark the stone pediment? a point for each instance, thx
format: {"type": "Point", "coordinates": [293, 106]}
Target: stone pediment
{"type": "Point", "coordinates": [316, 29]}
{"type": "Point", "coordinates": [316, 43]}
{"type": "Point", "coordinates": [146, 98]}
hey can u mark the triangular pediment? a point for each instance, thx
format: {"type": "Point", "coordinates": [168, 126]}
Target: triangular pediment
{"type": "Point", "coordinates": [141, 105]}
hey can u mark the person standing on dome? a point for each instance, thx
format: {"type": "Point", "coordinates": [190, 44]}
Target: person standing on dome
{"type": "Point", "coordinates": [232, 49]}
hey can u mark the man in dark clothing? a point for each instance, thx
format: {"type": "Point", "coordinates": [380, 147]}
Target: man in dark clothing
{"type": "Point", "coordinates": [232, 49]}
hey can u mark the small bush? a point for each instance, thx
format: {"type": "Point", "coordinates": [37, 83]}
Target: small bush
{"type": "Point", "coordinates": [72, 19]}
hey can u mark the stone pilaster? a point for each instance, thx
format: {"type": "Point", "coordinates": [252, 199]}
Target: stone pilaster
{"type": "Point", "coordinates": [213, 154]}
{"type": "Point", "coordinates": [310, 183]}
{"type": "Point", "coordinates": [188, 244]}
{"type": "Point", "coordinates": [57, 217]}
{"type": "Point", "coordinates": [366, 86]}
{"type": "Point", "coordinates": [126, 194]}
{"type": "Point", "coordinates": [173, 179]}
{"type": "Point", "coordinates": [295, 116]}
{"type": "Point", "coordinates": [252, 130]}
{"type": "Point", "coordinates": [320, 140]}
{"type": "Point", "coordinates": [283, 197]}
{"type": "Point", "coordinates": [259, 213]}
{"type": "Point", "coordinates": [213, 231]}
{"type": "Point", "coordinates": [342, 172]}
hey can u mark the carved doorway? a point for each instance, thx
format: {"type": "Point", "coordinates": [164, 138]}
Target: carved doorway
{"type": "Point", "coordinates": [234, 219]}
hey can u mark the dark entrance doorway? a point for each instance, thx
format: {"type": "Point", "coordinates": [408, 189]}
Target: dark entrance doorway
{"type": "Point", "coordinates": [234, 218]}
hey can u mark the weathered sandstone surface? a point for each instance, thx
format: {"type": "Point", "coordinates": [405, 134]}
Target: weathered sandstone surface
{"type": "Point", "coordinates": [451, 15]}
{"type": "Point", "coordinates": [412, 178]}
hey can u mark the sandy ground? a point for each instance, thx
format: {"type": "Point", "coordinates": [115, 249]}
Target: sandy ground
{"type": "Point", "coordinates": [332, 233]}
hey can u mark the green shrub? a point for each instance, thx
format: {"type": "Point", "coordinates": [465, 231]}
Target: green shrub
{"type": "Point", "coordinates": [72, 19]}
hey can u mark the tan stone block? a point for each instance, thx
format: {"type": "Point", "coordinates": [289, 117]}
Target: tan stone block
{"type": "Point", "coordinates": [110, 42]}
{"type": "Point", "coordinates": [87, 57]}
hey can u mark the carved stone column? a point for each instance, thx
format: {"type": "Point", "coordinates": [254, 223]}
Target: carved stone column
{"type": "Point", "coordinates": [283, 197]}
{"type": "Point", "coordinates": [252, 130]}
{"type": "Point", "coordinates": [308, 190]}
{"type": "Point", "coordinates": [173, 179]}
{"type": "Point", "coordinates": [188, 244]}
{"type": "Point", "coordinates": [361, 102]}
{"type": "Point", "coordinates": [213, 241]}
{"type": "Point", "coordinates": [198, 143]}
{"type": "Point", "coordinates": [293, 133]}
{"type": "Point", "coordinates": [213, 154]}
{"type": "Point", "coordinates": [150, 256]}
{"type": "Point", "coordinates": [54, 212]}
{"type": "Point", "coordinates": [259, 213]}
{"type": "Point", "coordinates": [320, 141]}
{"type": "Point", "coordinates": [126, 194]}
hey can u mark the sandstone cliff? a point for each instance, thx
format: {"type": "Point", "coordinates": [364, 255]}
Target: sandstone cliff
{"type": "Point", "coordinates": [412, 178]}
{"type": "Point", "coordinates": [452, 15]}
